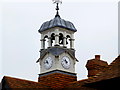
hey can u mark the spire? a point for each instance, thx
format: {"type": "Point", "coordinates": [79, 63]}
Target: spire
{"type": "Point", "coordinates": [57, 7]}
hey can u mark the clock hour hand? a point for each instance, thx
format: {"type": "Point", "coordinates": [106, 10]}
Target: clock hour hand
{"type": "Point", "coordinates": [46, 62]}
{"type": "Point", "coordinates": [66, 61]}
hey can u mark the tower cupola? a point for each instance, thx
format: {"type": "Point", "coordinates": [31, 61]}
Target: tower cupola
{"type": "Point", "coordinates": [57, 32]}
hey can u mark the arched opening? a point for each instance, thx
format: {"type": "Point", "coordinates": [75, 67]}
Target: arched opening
{"type": "Point", "coordinates": [61, 39]}
{"type": "Point", "coordinates": [45, 42]}
{"type": "Point", "coordinates": [52, 39]}
{"type": "Point", "coordinates": [68, 41]}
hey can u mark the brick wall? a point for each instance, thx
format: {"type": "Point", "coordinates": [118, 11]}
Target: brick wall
{"type": "Point", "coordinates": [57, 80]}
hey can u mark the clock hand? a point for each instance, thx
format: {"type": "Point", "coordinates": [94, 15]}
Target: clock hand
{"type": "Point", "coordinates": [66, 61]}
{"type": "Point", "coordinates": [47, 62]}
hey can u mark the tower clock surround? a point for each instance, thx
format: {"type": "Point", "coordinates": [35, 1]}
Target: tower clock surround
{"type": "Point", "coordinates": [57, 58]}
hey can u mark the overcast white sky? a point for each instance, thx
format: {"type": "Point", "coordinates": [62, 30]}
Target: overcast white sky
{"type": "Point", "coordinates": [96, 22]}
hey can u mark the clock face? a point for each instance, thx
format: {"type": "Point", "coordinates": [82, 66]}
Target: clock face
{"type": "Point", "coordinates": [48, 63]}
{"type": "Point", "coordinates": [65, 62]}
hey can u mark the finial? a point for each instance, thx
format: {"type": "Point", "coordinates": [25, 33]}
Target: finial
{"type": "Point", "coordinates": [57, 7]}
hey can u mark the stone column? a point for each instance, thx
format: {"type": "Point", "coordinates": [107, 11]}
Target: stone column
{"type": "Point", "coordinates": [72, 43]}
{"type": "Point", "coordinates": [56, 39]}
{"type": "Point", "coordinates": [49, 42]}
{"type": "Point", "coordinates": [64, 41]}
{"type": "Point", "coordinates": [42, 43]}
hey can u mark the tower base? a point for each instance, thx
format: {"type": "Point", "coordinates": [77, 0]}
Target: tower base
{"type": "Point", "coordinates": [57, 78]}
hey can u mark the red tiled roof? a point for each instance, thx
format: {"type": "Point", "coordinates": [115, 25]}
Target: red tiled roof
{"type": "Point", "coordinates": [79, 85]}
{"type": "Point", "coordinates": [76, 84]}
{"type": "Point", "coordinates": [20, 83]}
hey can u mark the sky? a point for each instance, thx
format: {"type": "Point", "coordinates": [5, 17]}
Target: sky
{"type": "Point", "coordinates": [96, 22]}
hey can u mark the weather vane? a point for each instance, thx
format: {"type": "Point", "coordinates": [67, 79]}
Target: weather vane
{"type": "Point", "coordinates": [57, 7]}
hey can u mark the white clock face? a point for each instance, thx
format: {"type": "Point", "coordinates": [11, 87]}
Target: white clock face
{"type": "Point", "coordinates": [65, 62]}
{"type": "Point", "coordinates": [48, 63]}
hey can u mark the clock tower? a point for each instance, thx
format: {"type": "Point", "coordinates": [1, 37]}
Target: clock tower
{"type": "Point", "coordinates": [57, 54]}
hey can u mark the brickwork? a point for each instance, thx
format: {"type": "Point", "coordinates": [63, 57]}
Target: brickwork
{"type": "Point", "coordinates": [57, 80]}
{"type": "Point", "coordinates": [94, 66]}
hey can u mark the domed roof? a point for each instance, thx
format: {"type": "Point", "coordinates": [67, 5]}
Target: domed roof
{"type": "Point", "coordinates": [57, 22]}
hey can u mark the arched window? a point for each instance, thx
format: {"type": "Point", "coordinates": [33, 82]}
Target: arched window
{"type": "Point", "coordinates": [68, 41]}
{"type": "Point", "coordinates": [61, 39]}
{"type": "Point", "coordinates": [45, 42]}
{"type": "Point", "coordinates": [52, 39]}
